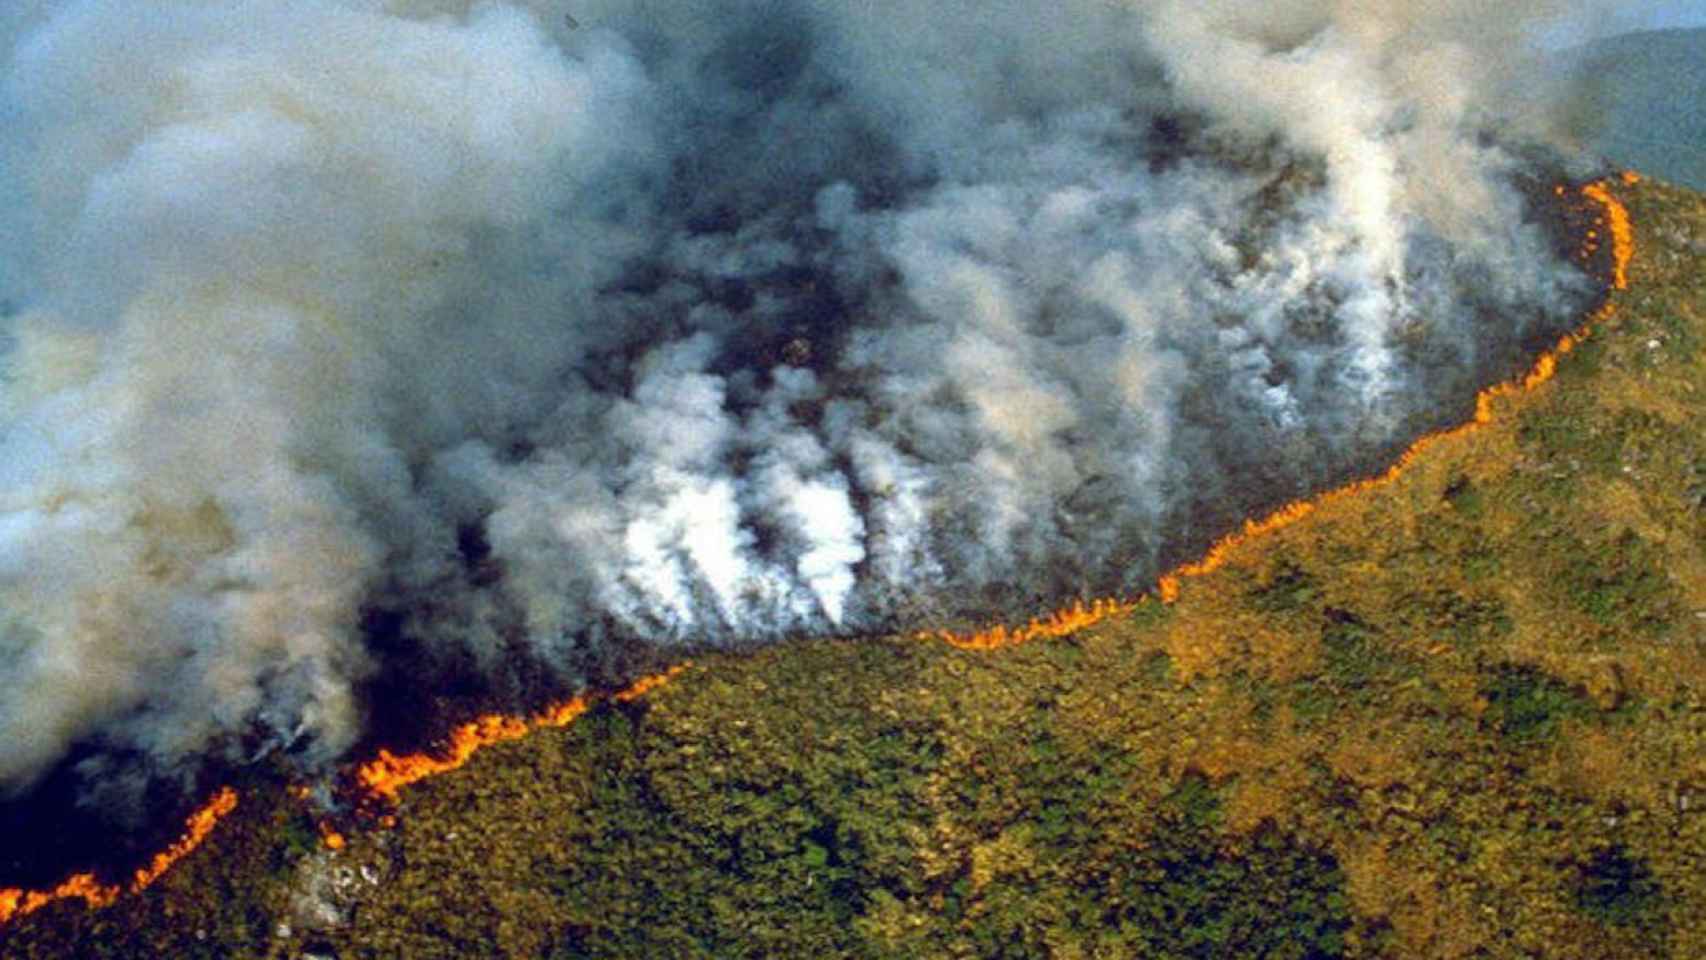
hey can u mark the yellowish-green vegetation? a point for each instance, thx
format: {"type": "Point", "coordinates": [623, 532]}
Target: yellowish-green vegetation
{"type": "Point", "coordinates": [1462, 715]}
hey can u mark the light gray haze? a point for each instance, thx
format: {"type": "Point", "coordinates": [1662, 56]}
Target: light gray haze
{"type": "Point", "coordinates": [351, 336]}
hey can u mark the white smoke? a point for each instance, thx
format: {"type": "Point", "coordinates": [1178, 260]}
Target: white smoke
{"type": "Point", "coordinates": [692, 324]}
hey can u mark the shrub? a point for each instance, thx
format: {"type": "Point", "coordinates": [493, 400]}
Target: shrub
{"type": "Point", "coordinates": [1618, 889]}
{"type": "Point", "coordinates": [1525, 704]}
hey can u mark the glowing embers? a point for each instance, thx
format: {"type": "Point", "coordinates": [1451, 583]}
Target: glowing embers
{"type": "Point", "coordinates": [16, 903]}
{"type": "Point", "coordinates": [1167, 588]}
{"type": "Point", "coordinates": [388, 773]}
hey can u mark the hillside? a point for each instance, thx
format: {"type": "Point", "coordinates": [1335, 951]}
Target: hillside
{"type": "Point", "coordinates": [1640, 99]}
{"type": "Point", "coordinates": [1455, 715]}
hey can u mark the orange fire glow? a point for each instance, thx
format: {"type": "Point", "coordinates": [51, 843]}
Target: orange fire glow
{"type": "Point", "coordinates": [1058, 624]}
{"type": "Point", "coordinates": [388, 773]}
{"type": "Point", "coordinates": [16, 903]}
{"type": "Point", "coordinates": [1168, 587]}
{"type": "Point", "coordinates": [196, 829]}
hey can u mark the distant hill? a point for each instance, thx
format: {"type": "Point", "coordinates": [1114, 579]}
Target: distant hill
{"type": "Point", "coordinates": [1640, 99]}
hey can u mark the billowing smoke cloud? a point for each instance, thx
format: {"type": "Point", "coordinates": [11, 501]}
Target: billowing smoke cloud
{"type": "Point", "coordinates": [357, 336]}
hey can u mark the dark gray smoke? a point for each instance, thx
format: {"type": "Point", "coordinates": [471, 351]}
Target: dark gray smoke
{"type": "Point", "coordinates": [686, 323]}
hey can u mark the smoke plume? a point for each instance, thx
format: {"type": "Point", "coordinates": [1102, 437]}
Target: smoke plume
{"type": "Point", "coordinates": [350, 336]}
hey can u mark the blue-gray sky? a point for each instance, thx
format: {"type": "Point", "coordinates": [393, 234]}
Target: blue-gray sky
{"type": "Point", "coordinates": [1648, 15]}
{"type": "Point", "coordinates": [1631, 16]}
{"type": "Point", "coordinates": [1672, 13]}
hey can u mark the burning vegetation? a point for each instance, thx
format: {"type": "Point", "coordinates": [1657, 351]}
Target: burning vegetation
{"type": "Point", "coordinates": [1613, 219]}
{"type": "Point", "coordinates": [16, 903]}
{"type": "Point", "coordinates": [656, 337]}
{"type": "Point", "coordinates": [662, 334]}
{"type": "Point", "coordinates": [386, 774]}
{"type": "Point", "coordinates": [1210, 798]}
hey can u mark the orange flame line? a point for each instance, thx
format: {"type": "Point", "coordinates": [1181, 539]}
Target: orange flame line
{"type": "Point", "coordinates": [1168, 587]}
{"type": "Point", "coordinates": [15, 903]}
{"type": "Point", "coordinates": [388, 772]}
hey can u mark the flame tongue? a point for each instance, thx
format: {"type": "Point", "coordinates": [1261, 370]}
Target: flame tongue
{"type": "Point", "coordinates": [196, 829]}
{"type": "Point", "coordinates": [16, 903]}
{"type": "Point", "coordinates": [1058, 624]}
{"type": "Point", "coordinates": [387, 773]}
{"type": "Point", "coordinates": [1622, 230]}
